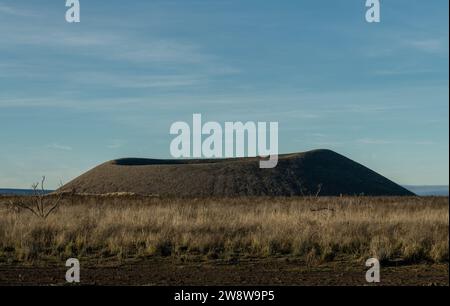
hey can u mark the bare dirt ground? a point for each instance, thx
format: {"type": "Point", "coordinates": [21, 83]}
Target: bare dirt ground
{"type": "Point", "coordinates": [274, 271]}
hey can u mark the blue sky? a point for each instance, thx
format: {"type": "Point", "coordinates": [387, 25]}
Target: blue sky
{"type": "Point", "coordinates": [75, 95]}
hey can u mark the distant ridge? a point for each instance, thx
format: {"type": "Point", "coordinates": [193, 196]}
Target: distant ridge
{"type": "Point", "coordinates": [438, 190]}
{"type": "Point", "coordinates": [321, 172]}
{"type": "Point", "coordinates": [12, 191]}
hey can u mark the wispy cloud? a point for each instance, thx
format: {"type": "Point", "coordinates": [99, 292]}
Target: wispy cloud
{"type": "Point", "coordinates": [434, 45]}
{"type": "Point", "coordinates": [134, 81]}
{"type": "Point", "coordinates": [161, 51]}
{"type": "Point", "coordinates": [374, 141]}
{"type": "Point", "coordinates": [401, 72]}
{"type": "Point", "coordinates": [9, 10]}
{"type": "Point", "coordinates": [123, 60]}
{"type": "Point", "coordinates": [121, 47]}
{"type": "Point", "coordinates": [424, 143]}
{"type": "Point", "coordinates": [56, 146]}
{"type": "Point", "coordinates": [393, 46]}
{"type": "Point", "coordinates": [116, 144]}
{"type": "Point", "coordinates": [329, 144]}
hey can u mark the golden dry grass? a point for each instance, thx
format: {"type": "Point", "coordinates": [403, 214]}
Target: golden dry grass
{"type": "Point", "coordinates": [317, 229]}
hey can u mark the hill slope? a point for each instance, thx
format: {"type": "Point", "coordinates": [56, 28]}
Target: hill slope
{"type": "Point", "coordinates": [295, 174]}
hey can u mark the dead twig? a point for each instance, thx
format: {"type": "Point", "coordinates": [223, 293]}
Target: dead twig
{"type": "Point", "coordinates": [40, 204]}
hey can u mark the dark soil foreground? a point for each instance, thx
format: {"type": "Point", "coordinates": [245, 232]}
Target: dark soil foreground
{"type": "Point", "coordinates": [156, 272]}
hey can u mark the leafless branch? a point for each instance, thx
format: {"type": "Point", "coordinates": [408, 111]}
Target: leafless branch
{"type": "Point", "coordinates": [40, 204]}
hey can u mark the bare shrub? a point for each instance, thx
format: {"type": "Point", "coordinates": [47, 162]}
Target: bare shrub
{"type": "Point", "coordinates": [39, 204]}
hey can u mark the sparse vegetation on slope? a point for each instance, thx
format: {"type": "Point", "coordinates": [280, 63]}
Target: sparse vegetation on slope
{"type": "Point", "coordinates": [319, 171]}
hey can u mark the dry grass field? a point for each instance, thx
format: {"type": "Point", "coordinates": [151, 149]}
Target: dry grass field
{"type": "Point", "coordinates": [317, 229]}
{"type": "Point", "coordinates": [129, 239]}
